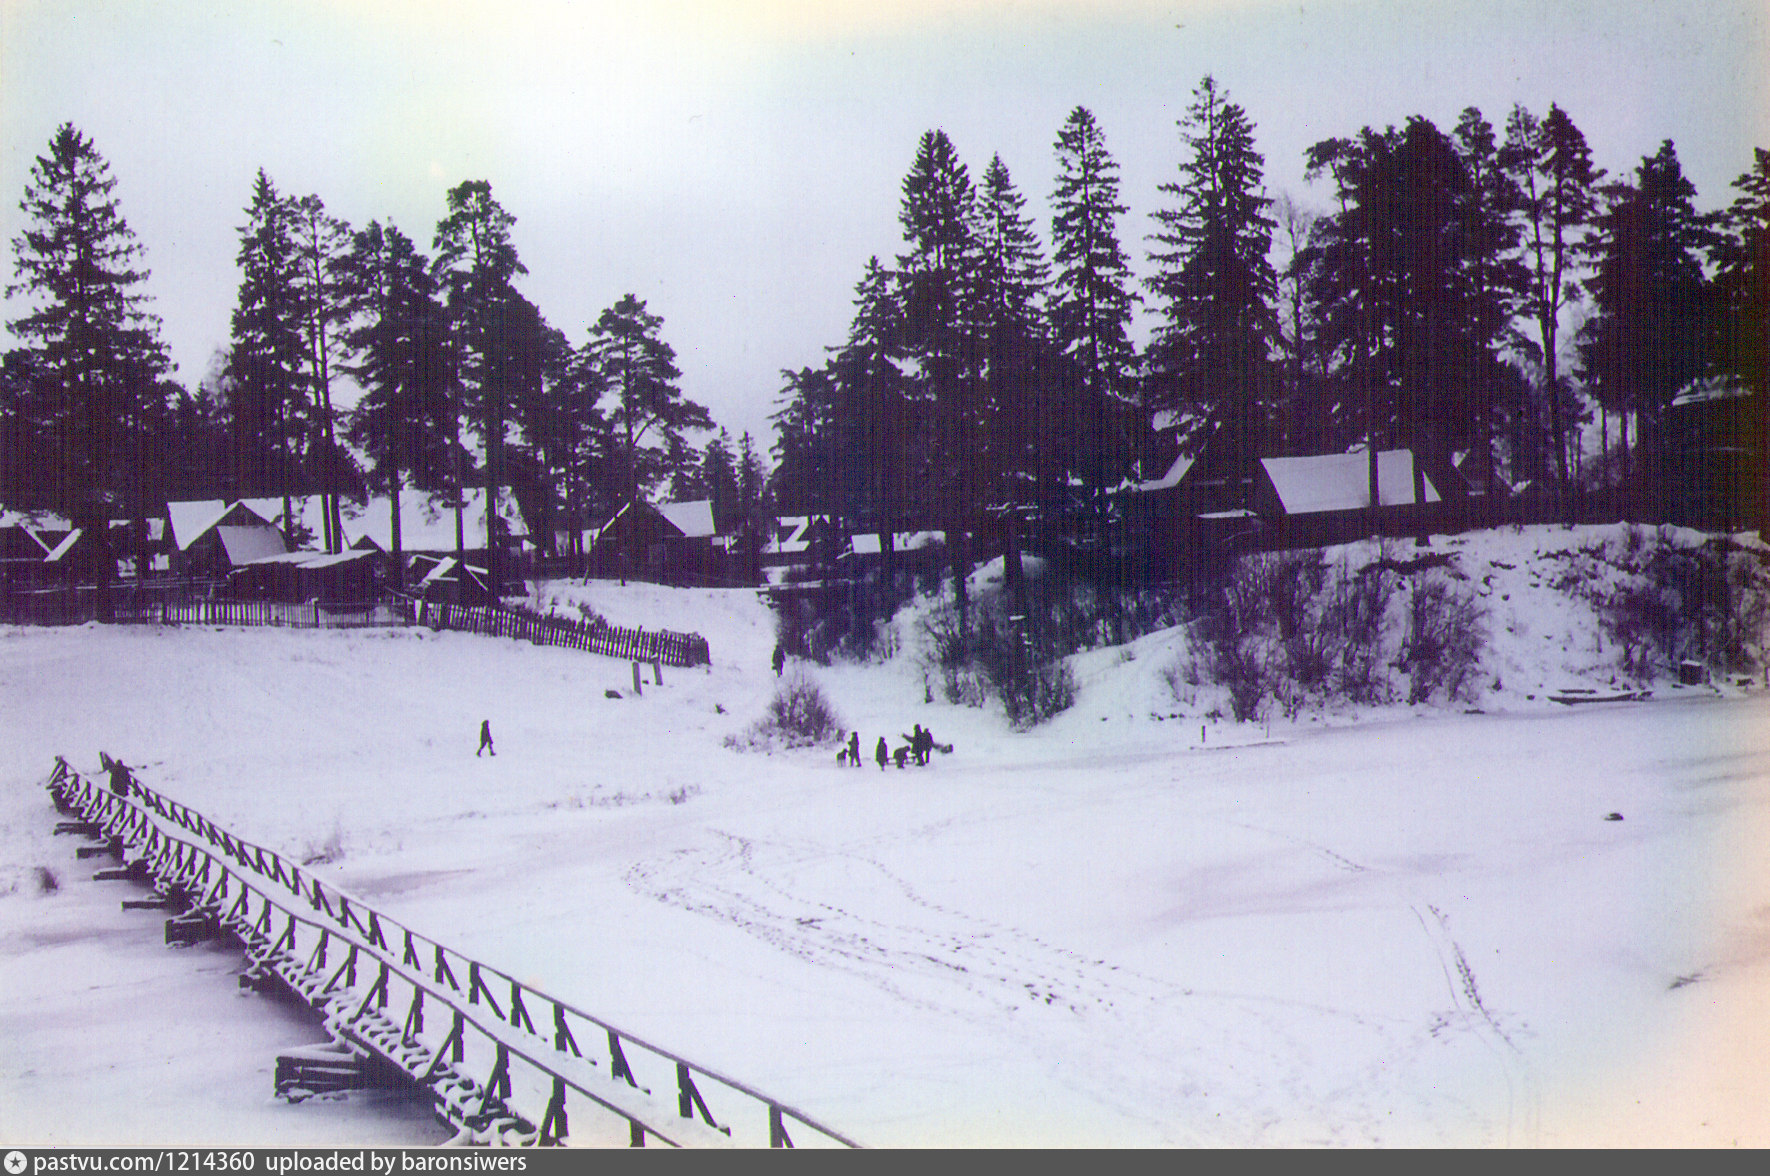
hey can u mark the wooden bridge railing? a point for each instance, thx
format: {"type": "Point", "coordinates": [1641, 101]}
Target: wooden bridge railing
{"type": "Point", "coordinates": [462, 1017]}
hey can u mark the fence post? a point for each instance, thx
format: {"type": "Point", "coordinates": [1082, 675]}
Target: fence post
{"type": "Point", "coordinates": [657, 671]}
{"type": "Point", "coordinates": [637, 688]}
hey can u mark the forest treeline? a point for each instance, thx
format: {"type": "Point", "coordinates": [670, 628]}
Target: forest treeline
{"type": "Point", "coordinates": [1478, 289]}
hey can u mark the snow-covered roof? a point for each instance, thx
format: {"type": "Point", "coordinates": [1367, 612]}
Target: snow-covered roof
{"type": "Point", "coordinates": [426, 524]}
{"type": "Point", "coordinates": [190, 520]}
{"type": "Point", "coordinates": [693, 519]}
{"type": "Point", "coordinates": [62, 548]}
{"type": "Point", "coordinates": [438, 573]}
{"type": "Point", "coordinates": [33, 521]}
{"type": "Point", "coordinates": [868, 542]}
{"type": "Point", "coordinates": [791, 536]}
{"type": "Point", "coordinates": [1170, 479]}
{"type": "Point", "coordinates": [244, 545]}
{"type": "Point", "coordinates": [1710, 388]}
{"type": "Point", "coordinates": [1341, 481]}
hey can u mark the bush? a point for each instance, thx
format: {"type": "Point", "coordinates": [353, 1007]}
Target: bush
{"type": "Point", "coordinates": [1032, 687]}
{"type": "Point", "coordinates": [1664, 601]}
{"type": "Point", "coordinates": [1444, 640]}
{"type": "Point", "coordinates": [798, 716]}
{"type": "Point", "coordinates": [1284, 626]}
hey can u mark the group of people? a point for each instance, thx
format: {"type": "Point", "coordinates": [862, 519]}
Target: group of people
{"type": "Point", "coordinates": [917, 747]}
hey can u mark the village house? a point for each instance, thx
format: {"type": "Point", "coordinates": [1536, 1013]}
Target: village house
{"type": "Point", "coordinates": [1310, 501]}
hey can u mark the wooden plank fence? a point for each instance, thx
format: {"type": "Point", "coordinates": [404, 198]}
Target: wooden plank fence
{"type": "Point", "coordinates": [645, 645]}
{"type": "Point", "coordinates": [502, 1061]}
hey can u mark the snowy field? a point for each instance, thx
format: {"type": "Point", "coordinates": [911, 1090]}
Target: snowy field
{"type": "Point", "coordinates": [1413, 928]}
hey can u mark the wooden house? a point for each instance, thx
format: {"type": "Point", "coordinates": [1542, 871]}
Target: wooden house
{"type": "Point", "coordinates": [212, 537]}
{"type": "Point", "coordinates": [1310, 501]}
{"type": "Point", "coordinates": [673, 542]}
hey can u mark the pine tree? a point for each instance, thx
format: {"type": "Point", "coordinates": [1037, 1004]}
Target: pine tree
{"type": "Point", "coordinates": [1090, 313]}
{"type": "Point", "coordinates": [1211, 357]}
{"type": "Point", "coordinates": [1493, 275]}
{"type": "Point", "coordinates": [478, 264]}
{"type": "Point", "coordinates": [1396, 287]}
{"type": "Point", "coordinates": [647, 409]}
{"type": "Point", "coordinates": [95, 363]}
{"type": "Point", "coordinates": [320, 240]}
{"type": "Point", "coordinates": [397, 343]}
{"type": "Point", "coordinates": [1557, 184]}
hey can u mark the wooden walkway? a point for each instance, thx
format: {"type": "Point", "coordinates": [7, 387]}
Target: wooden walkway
{"type": "Point", "coordinates": [502, 1062]}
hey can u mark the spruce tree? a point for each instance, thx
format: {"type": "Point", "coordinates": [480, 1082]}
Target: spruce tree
{"type": "Point", "coordinates": [1210, 359]}
{"type": "Point", "coordinates": [941, 334]}
{"type": "Point", "coordinates": [1009, 286]}
{"type": "Point", "coordinates": [1090, 314]}
{"type": "Point", "coordinates": [93, 363]}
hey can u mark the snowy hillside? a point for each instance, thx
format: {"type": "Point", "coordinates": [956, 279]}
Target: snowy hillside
{"type": "Point", "coordinates": [1134, 924]}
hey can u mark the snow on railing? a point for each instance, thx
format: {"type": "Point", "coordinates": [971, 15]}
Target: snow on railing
{"type": "Point", "coordinates": [535, 1070]}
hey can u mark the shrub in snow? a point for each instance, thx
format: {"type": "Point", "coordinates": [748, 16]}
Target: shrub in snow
{"type": "Point", "coordinates": [1288, 626]}
{"type": "Point", "coordinates": [798, 716]}
{"type": "Point", "coordinates": [1664, 596]}
{"type": "Point", "coordinates": [1446, 632]}
{"type": "Point", "coordinates": [843, 619]}
{"type": "Point", "coordinates": [1032, 685]}
{"type": "Point", "coordinates": [47, 882]}
{"type": "Point", "coordinates": [327, 852]}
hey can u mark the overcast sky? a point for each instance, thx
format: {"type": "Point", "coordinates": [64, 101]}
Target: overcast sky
{"type": "Point", "coordinates": [735, 163]}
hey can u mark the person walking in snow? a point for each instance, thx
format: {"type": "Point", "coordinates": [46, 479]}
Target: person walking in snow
{"type": "Point", "coordinates": [881, 753]}
{"type": "Point", "coordinates": [119, 773]}
{"type": "Point", "coordinates": [780, 659]}
{"type": "Point", "coordinates": [485, 738]}
{"type": "Point", "coordinates": [854, 749]}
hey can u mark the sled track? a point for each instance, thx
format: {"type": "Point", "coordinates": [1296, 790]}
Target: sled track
{"type": "Point", "coordinates": [501, 1061]}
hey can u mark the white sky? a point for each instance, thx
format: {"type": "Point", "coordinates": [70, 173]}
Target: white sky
{"type": "Point", "coordinates": [735, 163]}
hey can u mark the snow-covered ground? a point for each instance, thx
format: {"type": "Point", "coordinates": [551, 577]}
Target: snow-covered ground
{"type": "Point", "coordinates": [1120, 928]}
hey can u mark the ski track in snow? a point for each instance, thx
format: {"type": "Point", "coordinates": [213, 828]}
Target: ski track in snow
{"type": "Point", "coordinates": [938, 959]}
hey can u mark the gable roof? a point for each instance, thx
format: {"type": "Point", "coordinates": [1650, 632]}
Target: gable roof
{"type": "Point", "coordinates": [243, 545]}
{"type": "Point", "coordinates": [693, 519]}
{"type": "Point", "coordinates": [1341, 481]}
{"type": "Point", "coordinates": [65, 546]}
{"type": "Point", "coordinates": [192, 520]}
{"type": "Point", "coordinates": [1168, 480]}
{"type": "Point", "coordinates": [426, 524]}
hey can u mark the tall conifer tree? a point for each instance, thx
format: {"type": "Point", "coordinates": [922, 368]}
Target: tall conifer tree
{"type": "Point", "coordinates": [95, 355]}
{"type": "Point", "coordinates": [1090, 314]}
{"type": "Point", "coordinates": [1211, 357]}
{"type": "Point", "coordinates": [477, 261]}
